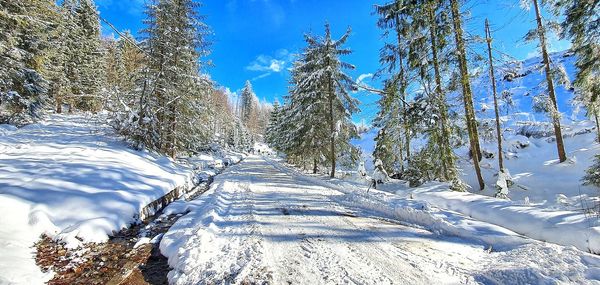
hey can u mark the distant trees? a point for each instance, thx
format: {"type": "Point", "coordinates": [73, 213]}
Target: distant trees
{"type": "Point", "coordinates": [248, 104]}
{"type": "Point", "coordinates": [255, 115]}
{"type": "Point", "coordinates": [53, 56]}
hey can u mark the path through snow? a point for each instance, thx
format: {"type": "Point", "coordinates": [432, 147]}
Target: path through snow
{"type": "Point", "coordinates": [260, 224]}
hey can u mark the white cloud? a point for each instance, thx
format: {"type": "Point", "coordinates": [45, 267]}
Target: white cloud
{"type": "Point", "coordinates": [261, 76]}
{"type": "Point", "coordinates": [362, 77]}
{"type": "Point", "coordinates": [276, 63]}
{"type": "Point", "coordinates": [361, 80]}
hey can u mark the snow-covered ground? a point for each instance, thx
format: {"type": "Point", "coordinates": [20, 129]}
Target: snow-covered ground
{"type": "Point", "coordinates": [531, 160]}
{"type": "Point", "coordinates": [548, 201]}
{"type": "Point", "coordinates": [70, 177]}
{"type": "Point", "coordinates": [262, 221]}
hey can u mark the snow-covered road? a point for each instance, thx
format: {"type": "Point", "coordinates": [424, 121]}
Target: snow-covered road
{"type": "Point", "coordinates": [261, 224]}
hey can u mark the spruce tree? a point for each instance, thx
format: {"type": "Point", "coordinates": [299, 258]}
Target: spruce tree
{"type": "Point", "coordinates": [176, 99]}
{"type": "Point", "coordinates": [24, 42]}
{"type": "Point", "coordinates": [84, 55]}
{"type": "Point", "coordinates": [323, 71]}
{"type": "Point", "coordinates": [272, 132]}
{"type": "Point", "coordinates": [304, 118]}
{"type": "Point", "coordinates": [388, 142]}
{"type": "Point", "coordinates": [581, 25]}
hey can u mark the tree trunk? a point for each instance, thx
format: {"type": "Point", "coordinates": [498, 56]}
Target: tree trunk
{"type": "Point", "coordinates": [332, 130]}
{"type": "Point", "coordinates": [447, 160]}
{"type": "Point", "coordinates": [59, 103]}
{"type": "Point", "coordinates": [403, 88]}
{"type": "Point", "coordinates": [172, 132]}
{"type": "Point", "coordinates": [562, 156]}
{"type": "Point", "coordinates": [597, 124]}
{"type": "Point", "coordinates": [315, 166]}
{"type": "Point", "coordinates": [467, 95]}
{"type": "Point", "coordinates": [488, 37]}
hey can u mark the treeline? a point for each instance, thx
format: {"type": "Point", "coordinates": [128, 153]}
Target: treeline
{"type": "Point", "coordinates": [54, 57]}
{"type": "Point", "coordinates": [426, 58]}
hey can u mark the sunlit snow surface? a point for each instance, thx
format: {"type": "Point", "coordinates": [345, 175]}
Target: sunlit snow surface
{"type": "Point", "coordinates": [72, 178]}
{"type": "Point", "coordinates": [264, 222]}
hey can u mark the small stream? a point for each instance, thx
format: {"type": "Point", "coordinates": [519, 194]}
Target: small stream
{"type": "Point", "coordinates": [117, 261]}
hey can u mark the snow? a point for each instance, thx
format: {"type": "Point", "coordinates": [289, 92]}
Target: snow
{"type": "Point", "coordinates": [17, 236]}
{"type": "Point", "coordinates": [530, 220]}
{"type": "Point", "coordinates": [262, 222]}
{"type": "Point", "coordinates": [70, 177]}
{"type": "Point", "coordinates": [547, 198]}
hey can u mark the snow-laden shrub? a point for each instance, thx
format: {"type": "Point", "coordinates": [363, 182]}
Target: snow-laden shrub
{"type": "Point", "coordinates": [25, 99]}
{"type": "Point", "coordinates": [420, 169]}
{"type": "Point", "coordinates": [592, 175]}
{"type": "Point", "coordinates": [127, 123]}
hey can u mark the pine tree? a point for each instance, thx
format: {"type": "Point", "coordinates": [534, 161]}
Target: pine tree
{"type": "Point", "coordinates": [581, 25]}
{"type": "Point", "coordinates": [175, 103]}
{"type": "Point", "coordinates": [592, 174]}
{"type": "Point", "coordinates": [24, 42]}
{"type": "Point", "coordinates": [424, 27]}
{"type": "Point", "coordinates": [488, 38]}
{"type": "Point", "coordinates": [323, 71]}
{"type": "Point", "coordinates": [393, 106]}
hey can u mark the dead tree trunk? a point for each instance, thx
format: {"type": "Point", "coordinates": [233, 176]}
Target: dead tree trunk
{"type": "Point", "coordinates": [488, 38]}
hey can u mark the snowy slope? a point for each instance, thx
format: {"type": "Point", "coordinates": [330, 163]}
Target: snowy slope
{"type": "Point", "coordinates": [523, 88]}
{"type": "Point", "coordinates": [531, 160]}
{"type": "Point", "coordinates": [71, 178]}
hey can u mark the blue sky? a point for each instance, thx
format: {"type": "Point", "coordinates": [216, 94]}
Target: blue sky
{"type": "Point", "coordinates": [256, 39]}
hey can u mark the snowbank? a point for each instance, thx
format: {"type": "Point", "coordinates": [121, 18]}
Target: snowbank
{"type": "Point", "coordinates": [17, 235]}
{"type": "Point", "coordinates": [570, 228]}
{"type": "Point", "coordinates": [71, 178]}
{"type": "Point", "coordinates": [197, 239]}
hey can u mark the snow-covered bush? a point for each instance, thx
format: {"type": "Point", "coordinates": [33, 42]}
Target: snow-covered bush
{"type": "Point", "coordinates": [25, 98]}
{"type": "Point", "coordinates": [419, 169]}
{"type": "Point", "coordinates": [502, 184]}
{"type": "Point", "coordinates": [592, 176]}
